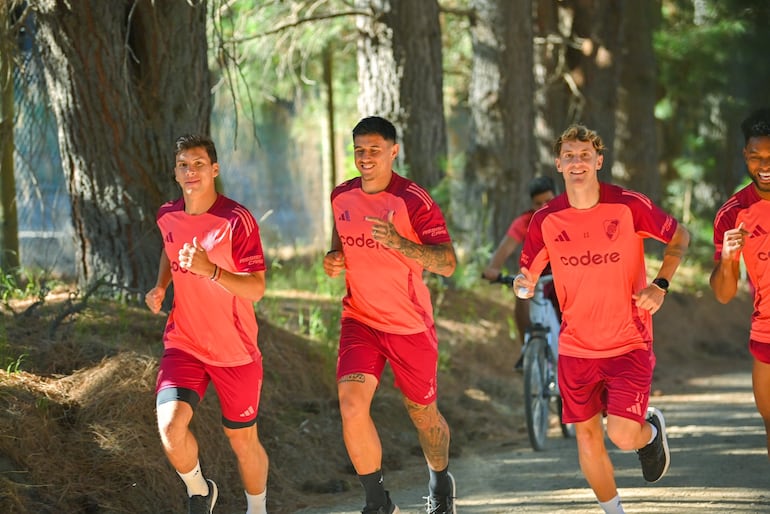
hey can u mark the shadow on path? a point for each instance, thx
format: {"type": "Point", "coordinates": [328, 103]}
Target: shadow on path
{"type": "Point", "coordinates": [719, 464]}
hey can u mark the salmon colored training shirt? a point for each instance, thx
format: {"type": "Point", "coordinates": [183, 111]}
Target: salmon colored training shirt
{"type": "Point", "coordinates": [206, 320]}
{"type": "Point", "coordinates": [385, 290]}
{"type": "Point", "coordinates": [518, 229]}
{"type": "Point", "coordinates": [597, 258]}
{"type": "Point", "coordinates": [747, 207]}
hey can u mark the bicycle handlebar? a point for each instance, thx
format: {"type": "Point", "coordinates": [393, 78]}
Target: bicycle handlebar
{"type": "Point", "coordinates": [502, 279]}
{"type": "Point", "coordinates": [508, 279]}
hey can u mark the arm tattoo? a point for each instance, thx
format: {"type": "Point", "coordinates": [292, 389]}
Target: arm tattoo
{"type": "Point", "coordinates": [438, 259]}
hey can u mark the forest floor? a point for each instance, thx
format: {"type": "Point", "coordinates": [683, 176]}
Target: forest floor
{"type": "Point", "coordinates": [77, 429]}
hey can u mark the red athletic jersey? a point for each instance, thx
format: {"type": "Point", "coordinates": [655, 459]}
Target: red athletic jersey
{"type": "Point", "coordinates": [597, 259]}
{"type": "Point", "coordinates": [385, 290]}
{"type": "Point", "coordinates": [206, 320]}
{"type": "Point", "coordinates": [747, 207]}
{"type": "Point", "coordinates": [518, 229]}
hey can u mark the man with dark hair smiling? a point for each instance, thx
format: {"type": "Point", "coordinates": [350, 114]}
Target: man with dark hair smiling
{"type": "Point", "coordinates": [742, 227]}
{"type": "Point", "coordinates": [388, 230]}
{"type": "Point", "coordinates": [213, 253]}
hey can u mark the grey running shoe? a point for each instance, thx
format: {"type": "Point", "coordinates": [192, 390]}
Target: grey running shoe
{"type": "Point", "coordinates": [655, 457]}
{"type": "Point", "coordinates": [204, 504]}
{"type": "Point", "coordinates": [388, 508]}
{"type": "Point", "coordinates": [442, 504]}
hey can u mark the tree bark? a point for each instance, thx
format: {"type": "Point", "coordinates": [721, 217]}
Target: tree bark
{"type": "Point", "coordinates": [9, 218]}
{"type": "Point", "coordinates": [401, 78]}
{"type": "Point", "coordinates": [637, 139]}
{"type": "Point", "coordinates": [501, 155]}
{"type": "Point", "coordinates": [597, 28]}
{"type": "Point", "coordinates": [125, 79]}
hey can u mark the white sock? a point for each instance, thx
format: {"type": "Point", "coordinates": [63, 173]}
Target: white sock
{"type": "Point", "coordinates": [196, 484]}
{"type": "Point", "coordinates": [613, 506]}
{"type": "Point", "coordinates": [256, 503]}
{"type": "Point", "coordinates": [654, 433]}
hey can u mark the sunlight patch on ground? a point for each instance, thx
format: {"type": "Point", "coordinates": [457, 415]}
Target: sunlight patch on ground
{"type": "Point", "coordinates": [297, 294]}
{"type": "Point", "coordinates": [480, 331]}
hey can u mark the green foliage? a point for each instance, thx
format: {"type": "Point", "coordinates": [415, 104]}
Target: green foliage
{"type": "Point", "coordinates": [708, 75]}
{"type": "Point", "coordinates": [305, 276]}
{"type": "Point", "coordinates": [24, 283]}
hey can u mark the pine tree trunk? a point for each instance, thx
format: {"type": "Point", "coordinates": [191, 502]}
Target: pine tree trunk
{"type": "Point", "coordinates": [597, 27]}
{"type": "Point", "coordinates": [125, 79]}
{"type": "Point", "coordinates": [401, 78]}
{"type": "Point", "coordinates": [501, 154]}
{"type": "Point", "coordinates": [9, 237]}
{"type": "Point", "coordinates": [637, 139]}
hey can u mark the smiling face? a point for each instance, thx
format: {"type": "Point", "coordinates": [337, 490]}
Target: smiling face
{"type": "Point", "coordinates": [579, 162]}
{"type": "Point", "coordinates": [195, 173]}
{"type": "Point", "coordinates": [756, 153]}
{"type": "Point", "coordinates": [374, 156]}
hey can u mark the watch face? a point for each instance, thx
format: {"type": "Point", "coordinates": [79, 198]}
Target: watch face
{"type": "Point", "coordinates": [661, 282]}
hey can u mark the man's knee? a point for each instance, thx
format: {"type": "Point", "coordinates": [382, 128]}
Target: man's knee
{"type": "Point", "coordinates": [354, 397]}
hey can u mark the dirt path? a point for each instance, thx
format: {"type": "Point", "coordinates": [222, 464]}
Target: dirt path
{"type": "Point", "coordinates": [719, 465]}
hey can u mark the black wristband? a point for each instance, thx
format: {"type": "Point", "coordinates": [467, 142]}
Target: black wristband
{"type": "Point", "coordinates": [661, 283]}
{"type": "Point", "coordinates": [332, 251]}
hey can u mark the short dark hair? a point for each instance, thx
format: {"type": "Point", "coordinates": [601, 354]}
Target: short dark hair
{"type": "Point", "coordinates": [375, 125]}
{"type": "Point", "coordinates": [188, 141]}
{"type": "Point", "coordinates": [540, 185]}
{"type": "Point", "coordinates": [579, 133]}
{"type": "Point", "coordinates": [757, 124]}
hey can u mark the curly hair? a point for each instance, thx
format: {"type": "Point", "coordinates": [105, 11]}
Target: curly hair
{"type": "Point", "coordinates": [579, 133]}
{"type": "Point", "coordinates": [757, 124]}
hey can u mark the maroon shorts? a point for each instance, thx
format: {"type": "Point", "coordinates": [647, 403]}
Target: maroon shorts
{"type": "Point", "coordinates": [760, 351]}
{"type": "Point", "coordinates": [614, 385]}
{"type": "Point", "coordinates": [413, 358]}
{"type": "Point", "coordinates": [182, 377]}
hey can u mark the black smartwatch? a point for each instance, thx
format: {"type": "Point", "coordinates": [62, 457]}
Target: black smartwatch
{"type": "Point", "coordinates": [661, 283]}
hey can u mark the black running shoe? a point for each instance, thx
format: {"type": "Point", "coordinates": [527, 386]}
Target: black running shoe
{"type": "Point", "coordinates": [655, 457]}
{"type": "Point", "coordinates": [442, 504]}
{"type": "Point", "coordinates": [200, 504]}
{"type": "Point", "coordinates": [388, 508]}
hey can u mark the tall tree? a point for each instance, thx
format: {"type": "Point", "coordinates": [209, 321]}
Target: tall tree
{"type": "Point", "coordinates": [637, 138]}
{"type": "Point", "coordinates": [501, 153]}
{"type": "Point", "coordinates": [401, 77]}
{"type": "Point", "coordinates": [595, 66]}
{"type": "Point", "coordinates": [10, 15]}
{"type": "Point", "coordinates": [125, 78]}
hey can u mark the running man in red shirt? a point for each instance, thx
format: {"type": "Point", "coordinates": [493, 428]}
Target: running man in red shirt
{"type": "Point", "coordinates": [388, 230]}
{"type": "Point", "coordinates": [541, 191]}
{"type": "Point", "coordinates": [738, 230]}
{"type": "Point", "coordinates": [213, 253]}
{"type": "Point", "coordinates": [592, 236]}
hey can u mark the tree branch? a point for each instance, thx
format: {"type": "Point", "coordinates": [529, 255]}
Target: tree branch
{"type": "Point", "coordinates": [300, 22]}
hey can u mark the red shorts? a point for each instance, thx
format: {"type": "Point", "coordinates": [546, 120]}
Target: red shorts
{"type": "Point", "coordinates": [614, 385]}
{"type": "Point", "coordinates": [760, 351]}
{"type": "Point", "coordinates": [182, 377]}
{"type": "Point", "coordinates": [413, 358]}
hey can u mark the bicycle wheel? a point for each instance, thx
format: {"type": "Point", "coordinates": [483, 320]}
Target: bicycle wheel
{"type": "Point", "coordinates": [536, 395]}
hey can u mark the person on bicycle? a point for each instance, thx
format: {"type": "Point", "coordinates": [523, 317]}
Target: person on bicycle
{"type": "Point", "coordinates": [738, 230]}
{"type": "Point", "coordinates": [593, 236]}
{"type": "Point", "coordinates": [541, 190]}
{"type": "Point", "coordinates": [387, 232]}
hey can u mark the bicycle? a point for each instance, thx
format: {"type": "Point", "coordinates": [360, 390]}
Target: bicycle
{"type": "Point", "coordinates": [540, 361]}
